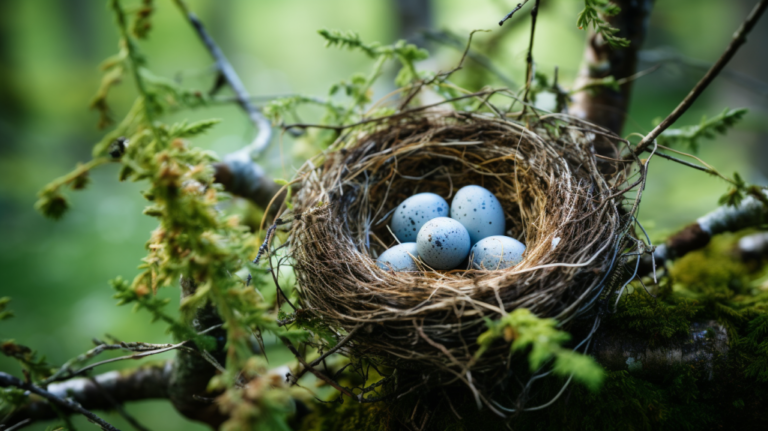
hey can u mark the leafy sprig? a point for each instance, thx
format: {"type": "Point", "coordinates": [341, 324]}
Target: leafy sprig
{"type": "Point", "coordinates": [406, 53]}
{"type": "Point", "coordinates": [592, 15]}
{"type": "Point", "coordinates": [689, 136]}
{"type": "Point", "coordinates": [526, 330]}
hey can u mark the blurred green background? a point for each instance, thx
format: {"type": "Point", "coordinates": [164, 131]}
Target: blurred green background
{"type": "Point", "coordinates": [57, 272]}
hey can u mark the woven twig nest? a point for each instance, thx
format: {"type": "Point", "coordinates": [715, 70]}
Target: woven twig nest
{"type": "Point", "coordinates": [557, 199]}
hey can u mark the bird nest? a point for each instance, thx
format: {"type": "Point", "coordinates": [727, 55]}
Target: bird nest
{"type": "Point", "coordinates": [559, 199]}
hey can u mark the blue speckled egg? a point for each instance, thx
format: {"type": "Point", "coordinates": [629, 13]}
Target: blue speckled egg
{"type": "Point", "coordinates": [411, 215]}
{"type": "Point", "coordinates": [496, 252]}
{"type": "Point", "coordinates": [443, 243]}
{"type": "Point", "coordinates": [398, 258]}
{"type": "Point", "coordinates": [479, 211]}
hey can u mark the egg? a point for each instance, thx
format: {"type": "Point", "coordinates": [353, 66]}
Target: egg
{"type": "Point", "coordinates": [479, 211]}
{"type": "Point", "coordinates": [399, 258]}
{"type": "Point", "coordinates": [443, 243]}
{"type": "Point", "coordinates": [411, 215]}
{"type": "Point", "coordinates": [496, 252]}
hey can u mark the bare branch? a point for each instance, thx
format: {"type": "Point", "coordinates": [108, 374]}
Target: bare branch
{"type": "Point", "coordinates": [263, 126]}
{"type": "Point", "coordinates": [247, 179]}
{"type": "Point", "coordinates": [529, 58]}
{"type": "Point", "coordinates": [449, 39]}
{"type": "Point", "coordinates": [619, 350]}
{"type": "Point", "coordinates": [7, 380]}
{"type": "Point", "coordinates": [739, 38]}
{"type": "Point", "coordinates": [509, 15]}
{"type": "Point", "coordinates": [119, 407]}
{"type": "Point", "coordinates": [751, 212]}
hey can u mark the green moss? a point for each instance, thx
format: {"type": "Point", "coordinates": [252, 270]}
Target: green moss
{"type": "Point", "coordinates": [710, 270]}
{"type": "Point", "coordinates": [426, 411]}
{"type": "Point", "coordinates": [659, 318]}
{"type": "Point", "coordinates": [681, 399]}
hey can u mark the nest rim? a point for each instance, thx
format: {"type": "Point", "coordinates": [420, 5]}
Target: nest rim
{"type": "Point", "coordinates": [426, 319]}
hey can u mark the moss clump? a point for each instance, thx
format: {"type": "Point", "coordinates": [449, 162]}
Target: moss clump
{"type": "Point", "coordinates": [658, 319]}
{"type": "Point", "coordinates": [433, 410]}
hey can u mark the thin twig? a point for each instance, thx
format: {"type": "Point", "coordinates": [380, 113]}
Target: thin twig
{"type": "Point", "coordinates": [331, 351]}
{"type": "Point", "coordinates": [442, 76]}
{"type": "Point", "coordinates": [134, 356]}
{"type": "Point", "coordinates": [317, 373]}
{"type": "Point", "coordinates": [19, 425]}
{"type": "Point", "coordinates": [119, 407]}
{"type": "Point", "coordinates": [684, 163]}
{"type": "Point", "coordinates": [263, 126]}
{"type": "Point", "coordinates": [9, 380]}
{"type": "Point", "coordinates": [398, 115]}
{"type": "Point", "coordinates": [66, 370]}
{"type": "Point", "coordinates": [663, 56]}
{"type": "Point", "coordinates": [509, 15]}
{"type": "Point", "coordinates": [453, 41]}
{"type": "Point", "coordinates": [712, 170]}
{"type": "Point", "coordinates": [739, 38]}
{"type": "Point", "coordinates": [529, 57]}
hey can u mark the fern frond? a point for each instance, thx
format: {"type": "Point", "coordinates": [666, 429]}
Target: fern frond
{"type": "Point", "coordinates": [690, 135]}
{"type": "Point", "coordinates": [349, 40]}
{"type": "Point", "coordinates": [591, 16]}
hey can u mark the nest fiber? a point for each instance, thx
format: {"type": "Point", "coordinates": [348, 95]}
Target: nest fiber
{"type": "Point", "coordinates": [558, 198]}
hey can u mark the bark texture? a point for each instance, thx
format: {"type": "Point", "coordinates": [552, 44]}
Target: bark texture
{"type": "Point", "coordinates": [101, 392]}
{"type": "Point", "coordinates": [604, 106]}
{"type": "Point", "coordinates": [706, 343]}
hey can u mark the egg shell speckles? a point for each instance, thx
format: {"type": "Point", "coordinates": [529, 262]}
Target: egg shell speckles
{"type": "Point", "coordinates": [398, 258]}
{"type": "Point", "coordinates": [443, 243]}
{"type": "Point", "coordinates": [411, 215]}
{"type": "Point", "coordinates": [479, 211]}
{"type": "Point", "coordinates": [496, 252]}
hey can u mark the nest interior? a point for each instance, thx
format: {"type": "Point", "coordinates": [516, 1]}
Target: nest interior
{"type": "Point", "coordinates": [559, 200]}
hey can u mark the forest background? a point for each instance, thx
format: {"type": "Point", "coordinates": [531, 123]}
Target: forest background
{"type": "Point", "coordinates": [57, 272]}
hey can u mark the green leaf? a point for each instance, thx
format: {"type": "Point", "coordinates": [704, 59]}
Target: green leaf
{"type": "Point", "coordinates": [689, 136]}
{"type": "Point", "coordinates": [184, 130]}
{"type": "Point", "coordinates": [5, 314]}
{"type": "Point", "coordinates": [349, 40]}
{"type": "Point", "coordinates": [526, 330]}
{"type": "Point", "coordinates": [736, 193]}
{"type": "Point", "coordinates": [583, 368]}
{"type": "Point", "coordinates": [591, 16]}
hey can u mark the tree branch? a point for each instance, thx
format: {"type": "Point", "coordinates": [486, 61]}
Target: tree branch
{"type": "Point", "coordinates": [739, 38]}
{"type": "Point", "coordinates": [751, 212]}
{"type": "Point", "coordinates": [248, 180]}
{"type": "Point", "coordinates": [604, 106]}
{"type": "Point", "coordinates": [237, 173]}
{"type": "Point", "coordinates": [511, 14]}
{"type": "Point", "coordinates": [705, 343]}
{"type": "Point", "coordinates": [191, 372]}
{"type": "Point", "coordinates": [529, 57]}
{"type": "Point", "coordinates": [143, 383]}
{"type": "Point", "coordinates": [263, 126]}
